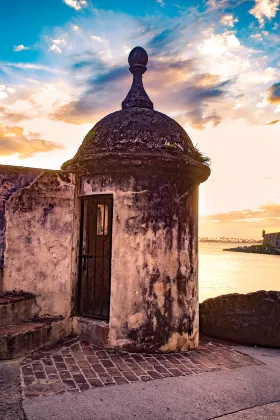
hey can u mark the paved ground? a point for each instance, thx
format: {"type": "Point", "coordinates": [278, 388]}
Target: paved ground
{"type": "Point", "coordinates": [77, 365]}
{"type": "Point", "coordinates": [219, 382]}
{"type": "Point", "coordinates": [264, 412]}
{"type": "Point", "coordinates": [10, 395]}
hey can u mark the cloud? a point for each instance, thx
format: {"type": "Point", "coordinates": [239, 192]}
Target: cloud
{"type": "Point", "coordinates": [265, 9]}
{"type": "Point", "coordinates": [258, 37]}
{"type": "Point", "coordinates": [228, 20]}
{"type": "Point", "coordinates": [14, 141]}
{"type": "Point", "coordinates": [273, 122]}
{"type": "Point", "coordinates": [30, 103]}
{"type": "Point", "coordinates": [6, 92]}
{"type": "Point", "coordinates": [97, 38]}
{"type": "Point", "coordinates": [196, 119]}
{"type": "Point", "coordinates": [57, 44]}
{"type": "Point", "coordinates": [216, 4]}
{"type": "Point", "coordinates": [76, 4]}
{"type": "Point", "coordinates": [267, 212]}
{"type": "Point", "coordinates": [208, 72]}
{"type": "Point", "coordinates": [190, 92]}
{"type": "Point", "coordinates": [218, 45]}
{"type": "Point", "coordinates": [102, 79]}
{"type": "Point", "coordinates": [30, 66]}
{"type": "Point", "coordinates": [13, 117]}
{"type": "Point", "coordinates": [55, 48]}
{"type": "Point", "coordinates": [191, 95]}
{"type": "Point", "coordinates": [274, 94]}
{"type": "Point", "coordinates": [223, 4]}
{"type": "Point", "coordinates": [91, 105]}
{"type": "Point", "coordinates": [162, 39]}
{"type": "Point", "coordinates": [18, 48]}
{"type": "Point", "coordinates": [200, 97]}
{"type": "Point", "coordinates": [205, 87]}
{"type": "Point", "coordinates": [59, 41]}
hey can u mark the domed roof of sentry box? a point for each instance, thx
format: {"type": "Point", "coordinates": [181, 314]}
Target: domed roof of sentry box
{"type": "Point", "coordinates": [137, 138]}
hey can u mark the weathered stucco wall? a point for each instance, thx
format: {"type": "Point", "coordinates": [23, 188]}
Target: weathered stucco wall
{"type": "Point", "coordinates": [154, 290]}
{"type": "Point", "coordinates": [39, 222]}
{"type": "Point", "coordinates": [12, 178]}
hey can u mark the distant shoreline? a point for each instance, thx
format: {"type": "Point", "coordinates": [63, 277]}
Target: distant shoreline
{"type": "Point", "coordinates": [256, 249]}
{"type": "Point", "coordinates": [231, 240]}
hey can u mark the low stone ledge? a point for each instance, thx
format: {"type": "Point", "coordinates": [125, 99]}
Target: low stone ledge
{"type": "Point", "coordinates": [91, 329]}
{"type": "Point", "coordinates": [252, 318]}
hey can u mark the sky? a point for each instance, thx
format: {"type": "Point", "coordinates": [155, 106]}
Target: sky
{"type": "Point", "coordinates": [214, 66]}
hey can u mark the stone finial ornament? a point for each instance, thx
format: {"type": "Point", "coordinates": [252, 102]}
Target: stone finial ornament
{"type": "Point", "coordinates": [138, 58]}
{"type": "Point", "coordinates": [137, 96]}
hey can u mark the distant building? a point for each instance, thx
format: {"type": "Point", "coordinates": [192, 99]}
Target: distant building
{"type": "Point", "coordinates": [272, 239]}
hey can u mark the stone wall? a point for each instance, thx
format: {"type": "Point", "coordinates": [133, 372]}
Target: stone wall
{"type": "Point", "coordinates": [39, 221]}
{"type": "Point", "coordinates": [253, 318]}
{"type": "Point", "coordinates": [12, 178]}
{"type": "Point", "coordinates": [272, 239]}
{"type": "Point", "coordinates": [154, 302]}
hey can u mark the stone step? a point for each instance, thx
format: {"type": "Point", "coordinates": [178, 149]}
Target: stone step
{"type": "Point", "coordinates": [26, 336]}
{"type": "Point", "coordinates": [15, 307]}
{"type": "Point", "coordinates": [96, 331]}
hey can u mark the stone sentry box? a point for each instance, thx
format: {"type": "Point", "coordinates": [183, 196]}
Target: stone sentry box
{"type": "Point", "coordinates": [147, 163]}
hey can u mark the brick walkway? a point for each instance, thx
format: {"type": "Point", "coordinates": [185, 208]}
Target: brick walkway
{"type": "Point", "coordinates": [76, 365]}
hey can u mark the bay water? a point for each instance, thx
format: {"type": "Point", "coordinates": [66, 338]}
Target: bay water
{"type": "Point", "coordinates": [222, 272]}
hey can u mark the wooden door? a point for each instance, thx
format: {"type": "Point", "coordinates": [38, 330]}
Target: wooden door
{"type": "Point", "coordinates": [95, 256]}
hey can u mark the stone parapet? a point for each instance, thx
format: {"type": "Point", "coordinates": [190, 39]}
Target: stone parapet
{"type": "Point", "coordinates": [252, 318]}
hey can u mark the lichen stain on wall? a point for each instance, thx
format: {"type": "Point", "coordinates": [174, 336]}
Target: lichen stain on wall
{"type": "Point", "coordinates": [12, 178]}
{"type": "Point", "coordinates": [154, 303]}
{"type": "Point", "coordinates": [38, 242]}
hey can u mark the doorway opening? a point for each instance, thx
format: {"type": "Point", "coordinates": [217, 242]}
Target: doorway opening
{"type": "Point", "coordinates": [95, 256]}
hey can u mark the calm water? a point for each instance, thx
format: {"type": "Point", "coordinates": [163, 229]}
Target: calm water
{"type": "Point", "coordinates": [222, 272]}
